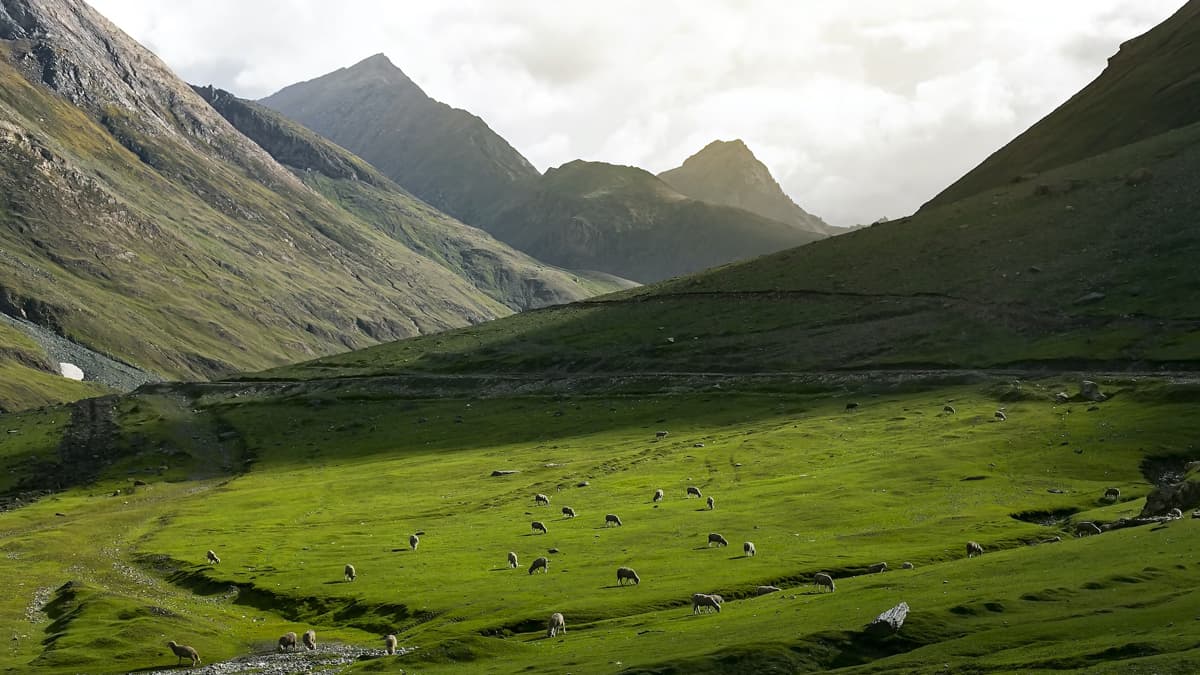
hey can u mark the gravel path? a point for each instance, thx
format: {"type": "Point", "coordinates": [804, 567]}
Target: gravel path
{"type": "Point", "coordinates": [328, 658]}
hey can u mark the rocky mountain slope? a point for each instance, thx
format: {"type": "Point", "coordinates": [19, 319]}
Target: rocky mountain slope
{"type": "Point", "coordinates": [1150, 86]}
{"type": "Point", "coordinates": [625, 221]}
{"type": "Point", "coordinates": [446, 156]}
{"type": "Point", "coordinates": [728, 173]}
{"type": "Point", "coordinates": [136, 220]}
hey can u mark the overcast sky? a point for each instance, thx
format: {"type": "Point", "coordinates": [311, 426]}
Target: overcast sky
{"type": "Point", "coordinates": [861, 109]}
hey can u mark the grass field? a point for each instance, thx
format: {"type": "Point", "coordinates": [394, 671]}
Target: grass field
{"type": "Point", "coordinates": [331, 479]}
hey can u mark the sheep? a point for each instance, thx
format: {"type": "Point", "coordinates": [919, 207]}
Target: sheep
{"type": "Point", "coordinates": [541, 500]}
{"type": "Point", "coordinates": [973, 549]}
{"type": "Point", "coordinates": [907, 566]}
{"type": "Point", "coordinates": [711, 503]}
{"type": "Point", "coordinates": [748, 548]}
{"type": "Point", "coordinates": [692, 490]}
{"type": "Point", "coordinates": [612, 519]}
{"type": "Point", "coordinates": [1112, 494]}
{"type": "Point", "coordinates": [658, 495]}
{"type": "Point", "coordinates": [351, 574]}
{"type": "Point", "coordinates": [851, 406]}
{"type": "Point", "coordinates": [184, 651]}
{"type": "Point", "coordinates": [541, 563]}
{"type": "Point", "coordinates": [1175, 514]}
{"type": "Point", "coordinates": [661, 434]}
{"type": "Point", "coordinates": [714, 538]}
{"type": "Point", "coordinates": [287, 642]}
{"type": "Point", "coordinates": [538, 525]}
{"type": "Point", "coordinates": [627, 574]}
{"type": "Point", "coordinates": [310, 639]}
{"type": "Point", "coordinates": [568, 512]}
{"type": "Point", "coordinates": [557, 625]}
{"type": "Point", "coordinates": [1000, 416]}
{"type": "Point", "coordinates": [823, 580]}
{"type": "Point", "coordinates": [212, 558]}
{"type": "Point", "coordinates": [512, 560]}
{"type": "Point", "coordinates": [948, 409]}
{"type": "Point", "coordinates": [389, 644]}
{"type": "Point", "coordinates": [702, 600]}
{"type": "Point", "coordinates": [877, 568]}
{"type": "Point", "coordinates": [763, 590]}
{"type": "Point", "coordinates": [413, 542]}
{"type": "Point", "coordinates": [1086, 528]}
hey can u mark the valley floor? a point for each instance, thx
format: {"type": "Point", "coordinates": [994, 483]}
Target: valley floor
{"type": "Point", "coordinates": [289, 483]}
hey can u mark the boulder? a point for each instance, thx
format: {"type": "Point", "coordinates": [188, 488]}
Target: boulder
{"type": "Point", "coordinates": [889, 622]}
{"type": "Point", "coordinates": [1090, 391]}
{"type": "Point", "coordinates": [1183, 495]}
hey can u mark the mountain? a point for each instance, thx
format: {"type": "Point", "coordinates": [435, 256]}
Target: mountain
{"type": "Point", "coordinates": [728, 173]}
{"type": "Point", "coordinates": [137, 221]}
{"type": "Point", "coordinates": [1150, 86]}
{"type": "Point", "coordinates": [446, 156]}
{"type": "Point", "coordinates": [626, 221]}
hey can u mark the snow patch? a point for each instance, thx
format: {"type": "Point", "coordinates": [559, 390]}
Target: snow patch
{"type": "Point", "coordinates": [70, 371]}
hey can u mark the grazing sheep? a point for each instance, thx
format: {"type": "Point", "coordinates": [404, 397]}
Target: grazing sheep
{"type": "Point", "coordinates": [541, 563]}
{"type": "Point", "coordinates": [287, 642]}
{"type": "Point", "coordinates": [212, 558]}
{"type": "Point", "coordinates": [557, 625]}
{"type": "Point", "coordinates": [389, 644]}
{"type": "Point", "coordinates": [823, 580]}
{"type": "Point", "coordinates": [714, 538]}
{"type": "Point", "coordinates": [612, 519]}
{"type": "Point", "coordinates": [693, 491]}
{"type": "Point", "coordinates": [973, 549]}
{"type": "Point", "coordinates": [627, 574]}
{"type": "Point", "coordinates": [851, 406]}
{"type": "Point", "coordinates": [512, 560]}
{"type": "Point", "coordinates": [658, 495]}
{"type": "Point", "coordinates": [1112, 494]}
{"type": "Point", "coordinates": [877, 568]}
{"type": "Point", "coordinates": [310, 639]}
{"type": "Point", "coordinates": [703, 600]}
{"type": "Point", "coordinates": [999, 415]}
{"type": "Point", "coordinates": [1175, 513]}
{"type": "Point", "coordinates": [413, 542]}
{"type": "Point", "coordinates": [568, 512]}
{"type": "Point", "coordinates": [351, 574]}
{"type": "Point", "coordinates": [1086, 528]}
{"type": "Point", "coordinates": [763, 590]}
{"type": "Point", "coordinates": [711, 503]}
{"type": "Point", "coordinates": [948, 409]}
{"type": "Point", "coordinates": [538, 525]}
{"type": "Point", "coordinates": [184, 652]}
{"type": "Point", "coordinates": [748, 548]}
{"type": "Point", "coordinates": [907, 566]}
{"type": "Point", "coordinates": [541, 500]}
{"type": "Point", "coordinates": [661, 434]}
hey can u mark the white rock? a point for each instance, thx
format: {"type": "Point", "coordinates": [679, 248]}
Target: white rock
{"type": "Point", "coordinates": [70, 371]}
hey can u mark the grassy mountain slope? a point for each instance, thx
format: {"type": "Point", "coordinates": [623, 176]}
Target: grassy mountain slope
{"type": "Point", "coordinates": [446, 156]}
{"type": "Point", "coordinates": [338, 474]}
{"type": "Point", "coordinates": [727, 172]}
{"type": "Point", "coordinates": [625, 221]}
{"type": "Point", "coordinates": [508, 276]}
{"type": "Point", "coordinates": [1150, 86]}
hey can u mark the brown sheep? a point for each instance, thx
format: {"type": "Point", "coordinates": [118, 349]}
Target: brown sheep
{"type": "Point", "coordinates": [541, 563]}
{"type": "Point", "coordinates": [287, 642]}
{"type": "Point", "coordinates": [823, 580]}
{"type": "Point", "coordinates": [212, 558]}
{"type": "Point", "coordinates": [692, 490]}
{"type": "Point", "coordinates": [351, 574]}
{"type": "Point", "coordinates": [612, 519]}
{"type": "Point", "coordinates": [973, 549]}
{"type": "Point", "coordinates": [557, 625]}
{"type": "Point", "coordinates": [627, 574]}
{"type": "Point", "coordinates": [538, 525]}
{"type": "Point", "coordinates": [714, 538]}
{"type": "Point", "coordinates": [310, 639]}
{"type": "Point", "coordinates": [389, 644]}
{"type": "Point", "coordinates": [184, 652]}
{"type": "Point", "coordinates": [512, 560]}
{"type": "Point", "coordinates": [658, 495]}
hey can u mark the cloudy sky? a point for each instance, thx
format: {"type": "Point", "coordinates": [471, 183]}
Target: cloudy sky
{"type": "Point", "coordinates": [861, 109]}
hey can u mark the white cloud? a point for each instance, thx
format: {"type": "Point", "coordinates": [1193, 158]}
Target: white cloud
{"type": "Point", "coordinates": [860, 109]}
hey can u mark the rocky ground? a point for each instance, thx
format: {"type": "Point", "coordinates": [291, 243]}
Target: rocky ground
{"type": "Point", "coordinates": [96, 366]}
{"type": "Point", "coordinates": [328, 658]}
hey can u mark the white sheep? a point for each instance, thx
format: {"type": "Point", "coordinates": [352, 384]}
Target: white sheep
{"type": "Point", "coordinates": [748, 548]}
{"type": "Point", "coordinates": [310, 639]}
{"type": "Point", "coordinates": [823, 580]}
{"type": "Point", "coordinates": [948, 409]}
{"type": "Point", "coordinates": [907, 566]}
{"type": "Point", "coordinates": [1000, 416]}
{"type": "Point", "coordinates": [512, 560]}
{"type": "Point", "coordinates": [541, 499]}
{"type": "Point", "coordinates": [973, 549]}
{"type": "Point", "coordinates": [212, 558]}
{"type": "Point", "coordinates": [658, 495]}
{"type": "Point", "coordinates": [389, 644]}
{"type": "Point", "coordinates": [661, 434]}
{"type": "Point", "coordinates": [1175, 513]}
{"type": "Point", "coordinates": [184, 652]}
{"type": "Point", "coordinates": [351, 574]}
{"type": "Point", "coordinates": [763, 590]}
{"type": "Point", "coordinates": [413, 542]}
{"type": "Point", "coordinates": [541, 563]}
{"type": "Point", "coordinates": [704, 601]}
{"type": "Point", "coordinates": [557, 625]}
{"type": "Point", "coordinates": [627, 574]}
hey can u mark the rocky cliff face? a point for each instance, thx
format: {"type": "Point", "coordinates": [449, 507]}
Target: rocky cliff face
{"type": "Point", "coordinates": [728, 173]}
{"type": "Point", "coordinates": [446, 156]}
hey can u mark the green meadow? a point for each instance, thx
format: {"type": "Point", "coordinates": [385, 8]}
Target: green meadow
{"type": "Point", "coordinates": [289, 484]}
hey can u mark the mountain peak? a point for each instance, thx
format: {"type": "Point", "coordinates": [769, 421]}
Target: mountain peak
{"type": "Point", "coordinates": [728, 173]}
